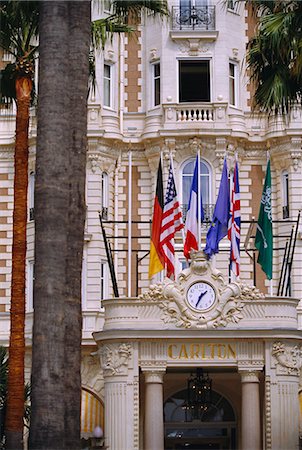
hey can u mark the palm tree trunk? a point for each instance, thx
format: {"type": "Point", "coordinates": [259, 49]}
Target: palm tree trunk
{"type": "Point", "coordinates": [79, 44]}
{"type": "Point", "coordinates": [59, 220]}
{"type": "Point", "coordinates": [15, 398]}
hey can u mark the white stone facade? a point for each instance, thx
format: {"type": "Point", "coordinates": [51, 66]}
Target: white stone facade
{"type": "Point", "coordinates": [125, 121]}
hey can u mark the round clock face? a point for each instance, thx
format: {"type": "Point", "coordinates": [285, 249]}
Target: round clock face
{"type": "Point", "coordinates": [201, 296]}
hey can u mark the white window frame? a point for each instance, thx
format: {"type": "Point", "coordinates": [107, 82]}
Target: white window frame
{"type": "Point", "coordinates": [84, 280]}
{"type": "Point", "coordinates": [285, 194]}
{"type": "Point", "coordinates": [235, 79]}
{"type": "Point", "coordinates": [154, 78]}
{"type": "Point", "coordinates": [110, 79]}
{"type": "Point", "coordinates": [30, 273]}
{"type": "Point", "coordinates": [107, 6]}
{"type": "Point", "coordinates": [194, 3]}
{"type": "Point", "coordinates": [104, 280]}
{"type": "Point", "coordinates": [104, 193]}
{"type": "Point", "coordinates": [211, 70]}
{"type": "Point", "coordinates": [31, 195]}
{"type": "Point", "coordinates": [233, 6]}
{"type": "Point", "coordinates": [210, 179]}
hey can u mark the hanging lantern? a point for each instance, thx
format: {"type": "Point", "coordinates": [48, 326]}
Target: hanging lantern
{"type": "Point", "coordinates": [199, 390]}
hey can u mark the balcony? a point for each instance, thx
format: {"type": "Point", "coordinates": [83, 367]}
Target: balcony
{"type": "Point", "coordinates": [195, 117]}
{"type": "Point", "coordinates": [208, 210]}
{"type": "Point", "coordinates": [200, 18]}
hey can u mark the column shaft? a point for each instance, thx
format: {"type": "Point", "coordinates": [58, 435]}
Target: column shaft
{"type": "Point", "coordinates": [250, 415]}
{"type": "Point", "coordinates": [154, 417]}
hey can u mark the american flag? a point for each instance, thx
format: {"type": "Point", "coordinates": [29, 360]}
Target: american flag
{"type": "Point", "coordinates": [234, 224]}
{"type": "Point", "coordinates": [171, 223]}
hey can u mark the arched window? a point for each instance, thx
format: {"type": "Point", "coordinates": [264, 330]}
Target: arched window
{"type": "Point", "coordinates": [220, 409]}
{"type": "Point", "coordinates": [104, 195]}
{"type": "Point", "coordinates": [205, 185]}
{"type": "Point", "coordinates": [218, 424]}
{"type": "Point", "coordinates": [92, 413]}
{"type": "Point", "coordinates": [285, 194]}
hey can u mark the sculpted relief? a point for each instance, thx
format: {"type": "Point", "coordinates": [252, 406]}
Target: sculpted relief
{"type": "Point", "coordinates": [200, 298]}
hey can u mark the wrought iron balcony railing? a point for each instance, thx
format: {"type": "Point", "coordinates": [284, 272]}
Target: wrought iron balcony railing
{"type": "Point", "coordinates": [207, 212]}
{"type": "Point", "coordinates": [193, 18]}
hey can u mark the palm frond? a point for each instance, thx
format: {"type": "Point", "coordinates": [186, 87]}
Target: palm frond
{"type": "Point", "coordinates": [275, 57]}
{"type": "Point", "coordinates": [132, 8]}
{"type": "Point", "coordinates": [7, 84]}
{"type": "Point", "coordinates": [19, 24]}
{"type": "Point", "coordinates": [104, 27]}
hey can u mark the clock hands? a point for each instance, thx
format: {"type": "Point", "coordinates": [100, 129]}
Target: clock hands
{"type": "Point", "coordinates": [200, 297]}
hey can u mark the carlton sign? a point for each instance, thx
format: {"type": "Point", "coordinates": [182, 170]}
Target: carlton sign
{"type": "Point", "coordinates": [204, 351]}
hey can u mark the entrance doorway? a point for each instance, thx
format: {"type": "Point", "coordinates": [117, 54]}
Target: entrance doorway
{"type": "Point", "coordinates": [217, 429]}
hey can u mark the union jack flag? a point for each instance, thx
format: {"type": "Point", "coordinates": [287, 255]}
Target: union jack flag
{"type": "Point", "coordinates": [234, 224]}
{"type": "Point", "coordinates": [171, 223]}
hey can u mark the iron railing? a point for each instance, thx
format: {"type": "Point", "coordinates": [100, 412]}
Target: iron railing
{"type": "Point", "coordinates": [193, 18]}
{"type": "Point", "coordinates": [207, 212]}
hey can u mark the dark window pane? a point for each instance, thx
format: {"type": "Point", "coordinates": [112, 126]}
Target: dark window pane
{"type": "Point", "coordinates": [194, 81]}
{"type": "Point", "coordinates": [156, 70]}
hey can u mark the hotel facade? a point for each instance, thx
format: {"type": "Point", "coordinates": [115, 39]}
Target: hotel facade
{"type": "Point", "coordinates": [175, 87]}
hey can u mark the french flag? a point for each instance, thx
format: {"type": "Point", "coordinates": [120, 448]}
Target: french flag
{"type": "Point", "coordinates": [191, 225]}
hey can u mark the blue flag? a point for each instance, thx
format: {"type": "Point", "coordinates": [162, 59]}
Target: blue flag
{"type": "Point", "coordinates": [219, 225]}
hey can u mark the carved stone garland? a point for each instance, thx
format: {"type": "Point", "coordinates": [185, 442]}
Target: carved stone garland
{"type": "Point", "coordinates": [115, 358]}
{"type": "Point", "coordinates": [289, 359]}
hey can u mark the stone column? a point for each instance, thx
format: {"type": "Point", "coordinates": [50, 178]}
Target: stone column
{"type": "Point", "coordinates": [154, 414]}
{"type": "Point", "coordinates": [284, 368]}
{"type": "Point", "coordinates": [250, 411]}
{"type": "Point", "coordinates": [121, 396]}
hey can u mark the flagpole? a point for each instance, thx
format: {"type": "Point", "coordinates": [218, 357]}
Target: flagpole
{"type": "Point", "coordinates": [163, 271]}
{"type": "Point", "coordinates": [267, 159]}
{"type": "Point", "coordinates": [198, 200]}
{"type": "Point", "coordinates": [129, 219]}
{"type": "Point", "coordinates": [182, 230]}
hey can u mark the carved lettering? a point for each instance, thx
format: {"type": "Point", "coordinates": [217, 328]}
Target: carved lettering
{"type": "Point", "coordinates": [183, 352]}
{"type": "Point", "coordinates": [170, 351]}
{"type": "Point", "coordinates": [221, 351]}
{"type": "Point", "coordinates": [231, 352]}
{"type": "Point", "coordinates": [194, 351]}
{"type": "Point", "coordinates": [205, 351]}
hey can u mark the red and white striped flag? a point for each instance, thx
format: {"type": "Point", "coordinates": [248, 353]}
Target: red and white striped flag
{"type": "Point", "coordinates": [234, 224]}
{"type": "Point", "coordinates": [171, 223]}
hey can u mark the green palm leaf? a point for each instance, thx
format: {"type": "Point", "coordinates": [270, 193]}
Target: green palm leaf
{"type": "Point", "coordinates": [275, 56]}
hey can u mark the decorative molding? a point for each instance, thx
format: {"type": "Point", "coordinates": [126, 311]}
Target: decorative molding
{"type": "Point", "coordinates": [115, 358]}
{"type": "Point", "coordinates": [289, 359]}
{"type": "Point", "coordinates": [100, 163]}
{"type": "Point", "coordinates": [250, 292]}
{"type": "Point", "coordinates": [7, 155]}
{"type": "Point", "coordinates": [153, 55]}
{"type": "Point", "coordinates": [91, 374]}
{"type": "Point", "coordinates": [170, 297]}
{"type": "Point", "coordinates": [194, 47]}
{"type": "Point", "coordinates": [296, 157]}
{"type": "Point", "coordinates": [268, 414]}
{"type": "Point", "coordinates": [220, 151]}
{"type": "Point", "coordinates": [249, 376]}
{"type": "Point", "coordinates": [154, 376]}
{"type": "Point", "coordinates": [136, 413]}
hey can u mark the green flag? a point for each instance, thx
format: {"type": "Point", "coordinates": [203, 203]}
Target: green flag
{"type": "Point", "coordinates": [264, 234]}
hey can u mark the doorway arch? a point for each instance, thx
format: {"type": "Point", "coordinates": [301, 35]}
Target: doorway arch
{"type": "Point", "coordinates": [217, 429]}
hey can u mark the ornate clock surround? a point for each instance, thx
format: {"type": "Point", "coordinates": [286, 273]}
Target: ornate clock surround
{"type": "Point", "coordinates": [171, 297]}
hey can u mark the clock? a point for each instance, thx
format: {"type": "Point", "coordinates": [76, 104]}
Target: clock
{"type": "Point", "coordinates": [201, 296]}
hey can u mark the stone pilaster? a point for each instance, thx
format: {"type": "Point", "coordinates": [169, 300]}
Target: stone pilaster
{"type": "Point", "coordinates": [121, 396]}
{"type": "Point", "coordinates": [283, 362]}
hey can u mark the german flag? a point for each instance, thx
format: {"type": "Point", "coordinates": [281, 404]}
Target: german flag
{"type": "Point", "coordinates": [156, 257]}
